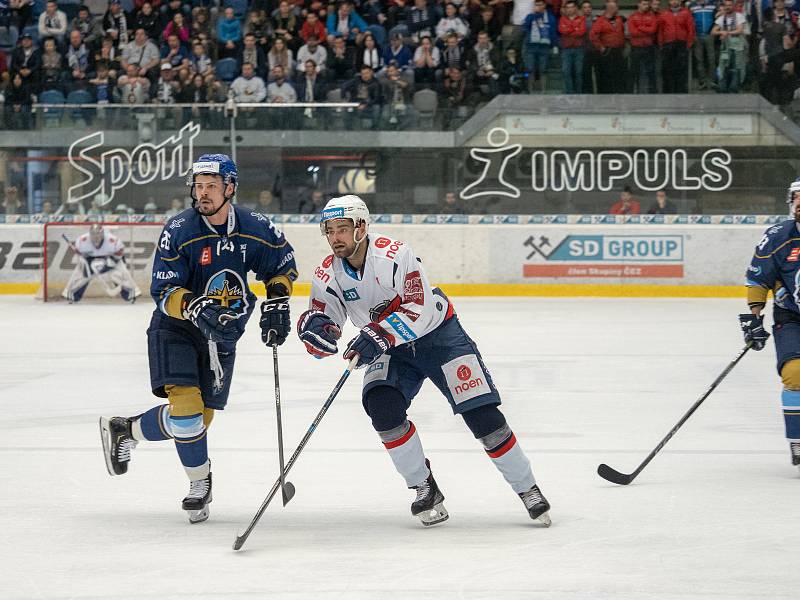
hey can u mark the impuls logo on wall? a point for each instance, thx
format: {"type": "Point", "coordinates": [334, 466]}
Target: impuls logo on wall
{"type": "Point", "coordinates": [602, 256]}
{"type": "Point", "coordinates": [117, 167]}
{"type": "Point", "coordinates": [590, 170]}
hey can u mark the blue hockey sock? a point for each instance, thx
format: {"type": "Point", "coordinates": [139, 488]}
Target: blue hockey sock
{"type": "Point", "coordinates": [152, 425]}
{"type": "Point", "coordinates": [791, 413]}
{"type": "Point", "coordinates": [192, 444]}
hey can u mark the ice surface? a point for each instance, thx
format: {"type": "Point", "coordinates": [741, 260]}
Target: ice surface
{"type": "Point", "coordinates": [583, 381]}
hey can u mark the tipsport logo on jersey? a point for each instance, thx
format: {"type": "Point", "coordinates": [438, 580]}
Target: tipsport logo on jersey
{"type": "Point", "coordinates": [604, 256]}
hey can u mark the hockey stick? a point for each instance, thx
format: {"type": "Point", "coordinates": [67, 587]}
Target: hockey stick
{"type": "Point", "coordinates": [241, 538]}
{"type": "Point", "coordinates": [615, 476]}
{"type": "Point", "coordinates": [287, 488]}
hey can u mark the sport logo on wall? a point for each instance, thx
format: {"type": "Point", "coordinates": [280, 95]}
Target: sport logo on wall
{"type": "Point", "coordinates": [602, 256]}
{"type": "Point", "coordinates": [115, 168]}
{"type": "Point", "coordinates": [590, 170]}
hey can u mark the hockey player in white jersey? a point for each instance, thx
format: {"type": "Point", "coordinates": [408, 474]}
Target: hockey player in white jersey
{"type": "Point", "coordinates": [409, 332]}
{"type": "Point", "coordinates": [101, 257]}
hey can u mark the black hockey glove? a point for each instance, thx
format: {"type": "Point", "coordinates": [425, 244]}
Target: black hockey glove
{"type": "Point", "coordinates": [754, 332]}
{"type": "Point", "coordinates": [319, 333]}
{"type": "Point", "coordinates": [215, 322]}
{"type": "Point", "coordinates": [369, 344]}
{"type": "Point", "coordinates": [275, 322]}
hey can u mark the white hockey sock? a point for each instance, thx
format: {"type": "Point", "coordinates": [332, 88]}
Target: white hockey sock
{"type": "Point", "coordinates": [405, 450]}
{"type": "Point", "coordinates": [507, 456]}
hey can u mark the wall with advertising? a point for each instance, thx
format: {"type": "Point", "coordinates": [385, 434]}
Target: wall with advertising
{"type": "Point", "coordinates": [491, 258]}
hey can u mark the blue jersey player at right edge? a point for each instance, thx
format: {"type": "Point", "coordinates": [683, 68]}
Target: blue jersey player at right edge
{"type": "Point", "coordinates": [776, 266]}
{"type": "Point", "coordinates": [203, 301]}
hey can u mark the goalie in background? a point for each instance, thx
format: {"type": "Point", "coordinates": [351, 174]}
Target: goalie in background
{"type": "Point", "coordinates": [101, 257]}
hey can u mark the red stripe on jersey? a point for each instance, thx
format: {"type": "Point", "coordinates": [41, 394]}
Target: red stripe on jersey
{"type": "Point", "coordinates": [393, 306]}
{"type": "Point", "coordinates": [504, 448]}
{"type": "Point", "coordinates": [402, 440]}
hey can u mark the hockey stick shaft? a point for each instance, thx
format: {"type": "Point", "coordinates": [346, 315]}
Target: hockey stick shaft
{"type": "Point", "coordinates": [242, 538]}
{"type": "Point", "coordinates": [287, 489]}
{"type": "Point", "coordinates": [615, 476]}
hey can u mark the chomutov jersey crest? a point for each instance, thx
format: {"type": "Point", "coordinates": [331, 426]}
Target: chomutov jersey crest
{"type": "Point", "coordinates": [227, 289]}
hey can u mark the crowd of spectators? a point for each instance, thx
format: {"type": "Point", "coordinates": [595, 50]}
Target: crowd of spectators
{"type": "Point", "coordinates": [378, 53]}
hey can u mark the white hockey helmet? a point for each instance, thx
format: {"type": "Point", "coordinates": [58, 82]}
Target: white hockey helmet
{"type": "Point", "coordinates": [794, 187]}
{"type": "Point", "coordinates": [345, 207]}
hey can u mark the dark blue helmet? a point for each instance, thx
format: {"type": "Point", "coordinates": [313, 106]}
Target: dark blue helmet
{"type": "Point", "coordinates": [216, 164]}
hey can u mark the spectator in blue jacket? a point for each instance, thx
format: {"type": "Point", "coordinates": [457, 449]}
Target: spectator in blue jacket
{"type": "Point", "coordinates": [229, 34]}
{"type": "Point", "coordinates": [346, 22]}
{"type": "Point", "coordinates": [540, 30]}
{"type": "Point", "coordinates": [704, 12]}
{"type": "Point", "coordinates": [398, 52]}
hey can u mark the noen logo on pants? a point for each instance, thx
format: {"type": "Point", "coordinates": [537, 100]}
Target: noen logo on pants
{"type": "Point", "coordinates": [465, 378]}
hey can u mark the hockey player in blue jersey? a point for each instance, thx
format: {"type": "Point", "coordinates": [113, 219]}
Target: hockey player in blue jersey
{"type": "Point", "coordinates": [202, 305]}
{"type": "Point", "coordinates": [776, 266]}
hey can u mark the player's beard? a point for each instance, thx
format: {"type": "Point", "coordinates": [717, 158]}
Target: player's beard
{"type": "Point", "coordinates": [343, 250]}
{"type": "Point", "coordinates": [206, 207]}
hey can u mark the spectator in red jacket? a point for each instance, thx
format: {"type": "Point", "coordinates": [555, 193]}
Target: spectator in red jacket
{"type": "Point", "coordinates": [608, 37]}
{"type": "Point", "coordinates": [313, 26]}
{"type": "Point", "coordinates": [676, 34]}
{"type": "Point", "coordinates": [627, 204]}
{"type": "Point", "coordinates": [572, 28]}
{"type": "Point", "coordinates": [642, 28]}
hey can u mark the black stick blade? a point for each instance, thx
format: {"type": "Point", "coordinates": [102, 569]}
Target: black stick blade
{"type": "Point", "coordinates": [613, 476]}
{"type": "Point", "coordinates": [239, 542]}
{"type": "Point", "coordinates": [288, 492]}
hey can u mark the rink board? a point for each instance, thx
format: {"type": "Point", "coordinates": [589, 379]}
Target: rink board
{"type": "Point", "coordinates": [505, 259]}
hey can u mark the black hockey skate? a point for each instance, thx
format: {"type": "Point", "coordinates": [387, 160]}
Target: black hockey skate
{"type": "Point", "coordinates": [115, 433]}
{"type": "Point", "coordinates": [428, 504]}
{"type": "Point", "coordinates": [794, 447]}
{"type": "Point", "coordinates": [197, 500]}
{"type": "Point", "coordinates": [537, 505]}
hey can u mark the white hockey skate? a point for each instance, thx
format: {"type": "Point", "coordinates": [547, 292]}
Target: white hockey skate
{"type": "Point", "coordinates": [197, 500]}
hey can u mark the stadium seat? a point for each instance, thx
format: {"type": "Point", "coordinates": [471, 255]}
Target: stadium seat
{"type": "Point", "coordinates": [379, 33]}
{"type": "Point", "coordinates": [80, 97]}
{"type": "Point", "coordinates": [52, 116]}
{"type": "Point", "coordinates": [425, 103]}
{"type": "Point", "coordinates": [226, 69]}
{"type": "Point", "coordinates": [8, 38]}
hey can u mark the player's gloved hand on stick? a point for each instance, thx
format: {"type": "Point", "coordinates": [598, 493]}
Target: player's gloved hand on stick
{"type": "Point", "coordinates": [215, 322]}
{"type": "Point", "coordinates": [369, 344]}
{"type": "Point", "coordinates": [319, 333]}
{"type": "Point", "coordinates": [754, 332]}
{"type": "Point", "coordinates": [275, 322]}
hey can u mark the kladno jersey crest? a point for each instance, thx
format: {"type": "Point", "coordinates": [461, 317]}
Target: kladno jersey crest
{"type": "Point", "coordinates": [215, 260]}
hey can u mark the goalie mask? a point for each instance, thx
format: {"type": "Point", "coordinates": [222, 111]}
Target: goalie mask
{"type": "Point", "coordinates": [214, 164]}
{"type": "Point", "coordinates": [97, 234]}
